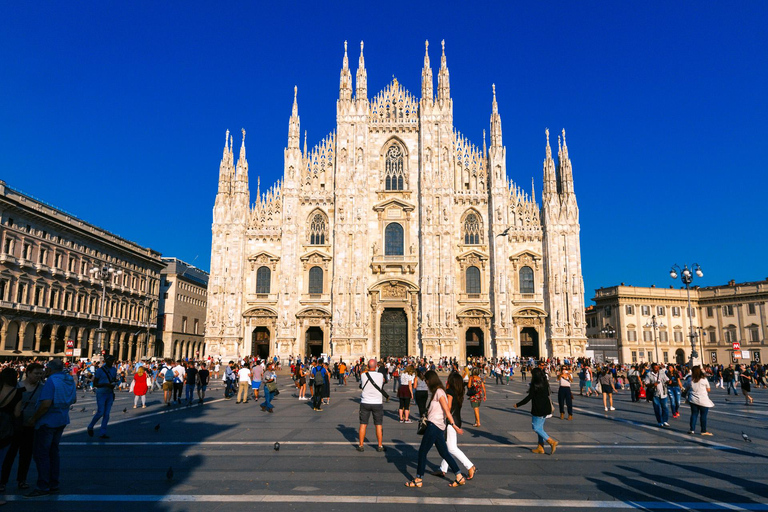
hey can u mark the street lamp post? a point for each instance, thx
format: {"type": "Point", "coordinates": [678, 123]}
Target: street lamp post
{"type": "Point", "coordinates": [103, 273]}
{"type": "Point", "coordinates": [686, 276]}
{"type": "Point", "coordinates": [655, 326]}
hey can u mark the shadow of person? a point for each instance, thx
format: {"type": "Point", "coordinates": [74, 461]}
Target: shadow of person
{"type": "Point", "coordinates": [350, 433]}
{"type": "Point", "coordinates": [757, 488]}
{"type": "Point", "coordinates": [401, 455]}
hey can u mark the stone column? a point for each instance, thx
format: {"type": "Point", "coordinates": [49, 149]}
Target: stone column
{"type": "Point", "coordinates": [113, 336]}
{"type": "Point", "coordinates": [22, 331]}
{"type": "Point", "coordinates": [38, 337]}
{"type": "Point", "coordinates": [3, 333]}
{"type": "Point", "coordinates": [120, 346]}
{"type": "Point", "coordinates": [91, 344]}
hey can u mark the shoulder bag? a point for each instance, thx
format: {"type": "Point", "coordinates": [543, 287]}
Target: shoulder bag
{"type": "Point", "coordinates": [383, 393]}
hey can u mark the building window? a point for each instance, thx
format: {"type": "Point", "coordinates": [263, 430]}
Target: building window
{"type": "Point", "coordinates": [711, 336]}
{"type": "Point", "coordinates": [728, 310]}
{"type": "Point", "coordinates": [730, 335]}
{"type": "Point", "coordinates": [632, 335]}
{"type": "Point", "coordinates": [634, 356]}
{"type": "Point", "coordinates": [473, 280]}
{"type": "Point", "coordinates": [472, 229]}
{"type": "Point", "coordinates": [665, 355]}
{"type": "Point", "coordinates": [3, 286]}
{"type": "Point", "coordinates": [263, 278]}
{"type": "Point", "coordinates": [751, 309]}
{"type": "Point", "coordinates": [165, 295]}
{"type": "Point", "coordinates": [678, 336]}
{"type": "Point", "coordinates": [317, 230]}
{"type": "Point", "coordinates": [675, 311]}
{"type": "Point", "coordinates": [754, 334]}
{"type": "Point", "coordinates": [692, 313]}
{"type": "Point", "coordinates": [315, 281]}
{"type": "Point", "coordinates": [647, 336]}
{"type": "Point", "coordinates": [197, 326]}
{"type": "Point", "coordinates": [8, 247]}
{"type": "Point", "coordinates": [393, 240]}
{"type": "Point", "coordinates": [661, 310]}
{"type": "Point", "coordinates": [21, 296]}
{"type": "Point", "coordinates": [630, 309]}
{"type": "Point", "coordinates": [526, 280]}
{"type": "Point", "coordinates": [27, 252]}
{"type": "Point", "coordinates": [663, 337]}
{"type": "Point", "coordinates": [393, 168]}
{"type": "Point", "coordinates": [710, 311]}
{"type": "Point", "coordinates": [645, 310]}
{"type": "Point", "coordinates": [183, 324]}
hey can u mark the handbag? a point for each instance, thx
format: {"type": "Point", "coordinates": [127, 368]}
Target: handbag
{"type": "Point", "coordinates": [272, 387]}
{"type": "Point", "coordinates": [421, 427]}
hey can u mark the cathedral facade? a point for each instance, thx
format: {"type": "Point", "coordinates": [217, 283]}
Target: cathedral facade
{"type": "Point", "coordinates": [395, 236]}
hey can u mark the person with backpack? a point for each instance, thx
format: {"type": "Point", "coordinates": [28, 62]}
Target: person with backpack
{"type": "Point", "coordinates": [104, 380]}
{"type": "Point", "coordinates": [168, 376]}
{"type": "Point", "coordinates": [319, 374]}
{"type": "Point", "coordinates": [59, 393]}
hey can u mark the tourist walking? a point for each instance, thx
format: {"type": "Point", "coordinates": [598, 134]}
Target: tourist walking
{"type": "Point", "coordinates": [541, 409]}
{"type": "Point", "coordinates": [656, 386]}
{"type": "Point", "coordinates": [190, 380]}
{"type": "Point", "coordinates": [270, 388]}
{"type": "Point", "coordinates": [257, 375]}
{"type": "Point", "coordinates": [634, 383]}
{"type": "Point", "coordinates": [59, 393]}
{"type": "Point", "coordinates": [454, 388]}
{"type": "Point", "coordinates": [675, 390]}
{"type": "Point", "coordinates": [438, 418]}
{"type": "Point", "coordinates": [745, 380]}
{"type": "Point", "coordinates": [476, 394]}
{"type": "Point", "coordinates": [203, 377]}
{"type": "Point", "coordinates": [104, 380]}
{"type": "Point", "coordinates": [564, 397]}
{"type": "Point", "coordinates": [607, 388]}
{"type": "Point", "coordinates": [139, 386]}
{"type": "Point", "coordinates": [698, 398]}
{"type": "Point", "coordinates": [318, 374]}
{"type": "Point", "coordinates": [421, 391]}
{"type": "Point", "coordinates": [405, 393]}
{"type": "Point", "coordinates": [244, 384]}
{"type": "Point", "coordinates": [372, 396]}
{"type": "Point", "coordinates": [22, 442]}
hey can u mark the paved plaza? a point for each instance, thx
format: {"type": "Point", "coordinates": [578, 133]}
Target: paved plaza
{"type": "Point", "coordinates": [223, 458]}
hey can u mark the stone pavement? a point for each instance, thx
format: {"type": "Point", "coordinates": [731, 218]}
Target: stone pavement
{"type": "Point", "coordinates": [223, 458]}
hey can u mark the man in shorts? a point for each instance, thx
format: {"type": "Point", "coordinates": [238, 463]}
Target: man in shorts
{"type": "Point", "coordinates": [371, 402]}
{"type": "Point", "coordinates": [256, 372]}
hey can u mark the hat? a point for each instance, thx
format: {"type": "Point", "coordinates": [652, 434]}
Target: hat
{"type": "Point", "coordinates": [55, 364]}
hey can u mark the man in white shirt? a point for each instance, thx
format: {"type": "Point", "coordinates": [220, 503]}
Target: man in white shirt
{"type": "Point", "coordinates": [256, 374]}
{"type": "Point", "coordinates": [178, 381]}
{"type": "Point", "coordinates": [244, 380]}
{"type": "Point", "coordinates": [371, 402]}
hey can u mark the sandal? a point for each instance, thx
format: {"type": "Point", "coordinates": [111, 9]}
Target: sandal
{"type": "Point", "coordinates": [416, 482]}
{"type": "Point", "coordinates": [457, 482]}
{"type": "Point", "coordinates": [471, 473]}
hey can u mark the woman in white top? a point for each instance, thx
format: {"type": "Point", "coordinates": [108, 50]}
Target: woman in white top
{"type": "Point", "coordinates": [437, 414]}
{"type": "Point", "coordinates": [405, 393]}
{"type": "Point", "coordinates": [698, 397]}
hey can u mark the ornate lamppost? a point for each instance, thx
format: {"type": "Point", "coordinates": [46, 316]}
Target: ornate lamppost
{"type": "Point", "coordinates": [102, 273]}
{"type": "Point", "coordinates": [686, 276]}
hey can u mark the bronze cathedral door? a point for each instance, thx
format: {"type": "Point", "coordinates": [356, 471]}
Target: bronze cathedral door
{"type": "Point", "coordinates": [393, 334]}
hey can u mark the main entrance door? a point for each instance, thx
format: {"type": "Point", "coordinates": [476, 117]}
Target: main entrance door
{"type": "Point", "coordinates": [529, 343]}
{"type": "Point", "coordinates": [260, 343]}
{"type": "Point", "coordinates": [314, 346]}
{"type": "Point", "coordinates": [393, 333]}
{"type": "Point", "coordinates": [475, 345]}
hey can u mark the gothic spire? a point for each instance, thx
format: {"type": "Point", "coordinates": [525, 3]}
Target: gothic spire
{"type": "Point", "coordinates": [225, 168]}
{"type": "Point", "coordinates": [305, 143]}
{"type": "Point", "coordinates": [294, 131]}
{"type": "Point", "coordinates": [443, 81]}
{"type": "Point", "coordinates": [345, 82]}
{"type": "Point", "coordinates": [495, 122]}
{"type": "Point", "coordinates": [566, 171]}
{"type": "Point", "coordinates": [241, 174]}
{"type": "Point", "coordinates": [550, 176]}
{"type": "Point", "coordinates": [361, 92]}
{"type": "Point", "coordinates": [426, 76]}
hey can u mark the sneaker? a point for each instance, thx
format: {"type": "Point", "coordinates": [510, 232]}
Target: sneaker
{"type": "Point", "coordinates": [606, 409]}
{"type": "Point", "coordinates": [381, 449]}
{"type": "Point", "coordinates": [90, 432]}
{"type": "Point", "coordinates": [358, 447]}
{"type": "Point", "coordinates": [691, 432]}
{"type": "Point", "coordinates": [665, 424]}
{"type": "Point", "coordinates": [613, 408]}
{"type": "Point", "coordinates": [408, 421]}
{"type": "Point", "coordinates": [35, 493]}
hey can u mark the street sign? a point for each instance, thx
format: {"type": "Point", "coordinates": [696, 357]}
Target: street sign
{"type": "Point", "coordinates": [70, 344]}
{"type": "Point", "coordinates": [737, 354]}
{"type": "Point", "coordinates": [745, 354]}
{"type": "Point", "coordinates": [76, 352]}
{"type": "Point", "coordinates": [68, 352]}
{"type": "Point", "coordinates": [736, 345]}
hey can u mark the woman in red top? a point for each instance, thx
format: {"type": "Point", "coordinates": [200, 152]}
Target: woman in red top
{"type": "Point", "coordinates": [140, 388]}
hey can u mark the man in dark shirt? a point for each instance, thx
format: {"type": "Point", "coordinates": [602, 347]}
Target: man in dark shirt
{"type": "Point", "coordinates": [191, 380]}
{"type": "Point", "coordinates": [203, 376]}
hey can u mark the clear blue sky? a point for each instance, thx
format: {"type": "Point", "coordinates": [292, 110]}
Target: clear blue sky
{"type": "Point", "coordinates": [117, 112]}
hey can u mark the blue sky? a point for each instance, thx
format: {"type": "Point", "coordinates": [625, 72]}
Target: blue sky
{"type": "Point", "coordinates": [117, 112]}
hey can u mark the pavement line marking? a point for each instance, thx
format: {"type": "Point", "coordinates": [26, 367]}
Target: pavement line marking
{"type": "Point", "coordinates": [687, 437]}
{"type": "Point", "coordinates": [141, 417]}
{"type": "Point", "coordinates": [389, 500]}
{"type": "Point", "coordinates": [345, 443]}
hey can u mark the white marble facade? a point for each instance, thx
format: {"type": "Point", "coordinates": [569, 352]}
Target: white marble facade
{"type": "Point", "coordinates": [395, 235]}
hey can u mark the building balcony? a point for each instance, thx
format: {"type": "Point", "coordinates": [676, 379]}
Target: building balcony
{"type": "Point", "coordinates": [405, 264]}
{"type": "Point", "coordinates": [25, 263]}
{"type": "Point", "coordinates": [474, 298]}
{"type": "Point", "coordinates": [7, 259]}
{"type": "Point", "coordinates": [261, 297]}
{"type": "Point", "coordinates": [41, 267]}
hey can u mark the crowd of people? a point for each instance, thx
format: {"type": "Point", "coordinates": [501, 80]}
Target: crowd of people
{"type": "Point", "coordinates": [36, 397]}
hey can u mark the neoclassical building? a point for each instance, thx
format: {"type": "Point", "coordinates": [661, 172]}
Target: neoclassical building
{"type": "Point", "coordinates": [395, 235]}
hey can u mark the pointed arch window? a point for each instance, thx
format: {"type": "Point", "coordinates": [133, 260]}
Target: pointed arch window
{"type": "Point", "coordinates": [394, 174]}
{"type": "Point", "coordinates": [263, 279]}
{"type": "Point", "coordinates": [318, 229]}
{"type": "Point", "coordinates": [526, 280]}
{"type": "Point", "coordinates": [315, 281]}
{"type": "Point", "coordinates": [472, 230]}
{"type": "Point", "coordinates": [473, 280]}
{"type": "Point", "coordinates": [393, 240]}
